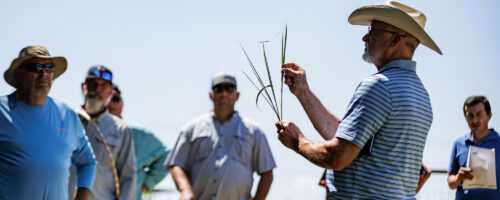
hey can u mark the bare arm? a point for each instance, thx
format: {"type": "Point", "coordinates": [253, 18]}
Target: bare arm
{"type": "Point", "coordinates": [182, 183]}
{"type": "Point", "coordinates": [454, 180]}
{"type": "Point", "coordinates": [82, 193]}
{"type": "Point", "coordinates": [323, 121]}
{"type": "Point", "coordinates": [335, 154]}
{"type": "Point", "coordinates": [266, 179]}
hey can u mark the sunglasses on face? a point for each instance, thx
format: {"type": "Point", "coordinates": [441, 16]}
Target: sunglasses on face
{"type": "Point", "coordinates": [101, 74]}
{"type": "Point", "coordinates": [116, 99]}
{"type": "Point", "coordinates": [38, 67]}
{"type": "Point", "coordinates": [221, 88]}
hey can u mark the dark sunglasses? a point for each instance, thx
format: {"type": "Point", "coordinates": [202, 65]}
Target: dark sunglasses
{"type": "Point", "coordinates": [38, 67]}
{"type": "Point", "coordinates": [116, 99]}
{"type": "Point", "coordinates": [221, 88]}
{"type": "Point", "coordinates": [371, 29]}
{"type": "Point", "coordinates": [101, 74]}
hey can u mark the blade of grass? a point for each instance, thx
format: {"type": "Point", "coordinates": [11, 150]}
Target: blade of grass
{"type": "Point", "coordinates": [267, 100]}
{"type": "Point", "coordinates": [270, 79]}
{"type": "Point", "coordinates": [283, 55]}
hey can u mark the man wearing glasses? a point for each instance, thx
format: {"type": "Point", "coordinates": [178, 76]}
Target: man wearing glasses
{"type": "Point", "coordinates": [40, 137]}
{"type": "Point", "coordinates": [375, 150]}
{"type": "Point", "coordinates": [110, 137]}
{"type": "Point", "coordinates": [217, 153]}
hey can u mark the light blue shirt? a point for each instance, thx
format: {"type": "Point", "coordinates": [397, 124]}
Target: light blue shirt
{"type": "Point", "coordinates": [394, 107]}
{"type": "Point", "coordinates": [37, 146]}
{"type": "Point", "coordinates": [150, 154]}
{"type": "Point", "coordinates": [220, 158]}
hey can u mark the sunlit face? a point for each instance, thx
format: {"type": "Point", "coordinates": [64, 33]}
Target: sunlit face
{"type": "Point", "coordinates": [115, 106]}
{"type": "Point", "coordinates": [224, 99]}
{"type": "Point", "coordinates": [97, 93]}
{"type": "Point", "coordinates": [476, 117]}
{"type": "Point", "coordinates": [34, 83]}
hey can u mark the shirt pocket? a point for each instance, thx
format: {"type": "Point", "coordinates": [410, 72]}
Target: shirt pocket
{"type": "Point", "coordinates": [241, 149]}
{"type": "Point", "coordinates": [201, 147]}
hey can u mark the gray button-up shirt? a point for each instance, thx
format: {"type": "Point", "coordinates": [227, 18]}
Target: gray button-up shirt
{"type": "Point", "coordinates": [119, 138]}
{"type": "Point", "coordinates": [220, 158]}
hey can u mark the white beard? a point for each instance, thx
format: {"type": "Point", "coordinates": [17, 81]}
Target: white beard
{"type": "Point", "coordinates": [93, 105]}
{"type": "Point", "coordinates": [366, 57]}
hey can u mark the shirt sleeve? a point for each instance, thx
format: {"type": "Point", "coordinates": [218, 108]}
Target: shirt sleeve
{"type": "Point", "coordinates": [157, 171]}
{"type": "Point", "coordinates": [454, 165]}
{"type": "Point", "coordinates": [178, 156]}
{"type": "Point", "coordinates": [262, 158]}
{"type": "Point", "coordinates": [83, 157]}
{"type": "Point", "coordinates": [368, 110]}
{"type": "Point", "coordinates": [126, 167]}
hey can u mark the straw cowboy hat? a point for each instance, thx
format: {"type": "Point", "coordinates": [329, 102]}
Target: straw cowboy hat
{"type": "Point", "coordinates": [397, 14]}
{"type": "Point", "coordinates": [32, 52]}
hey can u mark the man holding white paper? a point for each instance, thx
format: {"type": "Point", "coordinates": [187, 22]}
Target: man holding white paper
{"type": "Point", "coordinates": [477, 113]}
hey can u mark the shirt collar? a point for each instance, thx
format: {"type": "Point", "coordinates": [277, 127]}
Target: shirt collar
{"type": "Point", "coordinates": [492, 136]}
{"type": "Point", "coordinates": [400, 63]}
{"type": "Point", "coordinates": [231, 119]}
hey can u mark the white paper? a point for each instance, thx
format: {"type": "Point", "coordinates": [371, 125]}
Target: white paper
{"type": "Point", "coordinates": [482, 163]}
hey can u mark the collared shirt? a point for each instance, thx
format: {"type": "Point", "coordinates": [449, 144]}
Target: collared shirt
{"type": "Point", "coordinates": [220, 158]}
{"type": "Point", "coordinates": [119, 138]}
{"type": "Point", "coordinates": [37, 146]}
{"type": "Point", "coordinates": [458, 159]}
{"type": "Point", "coordinates": [393, 107]}
{"type": "Point", "coordinates": [150, 154]}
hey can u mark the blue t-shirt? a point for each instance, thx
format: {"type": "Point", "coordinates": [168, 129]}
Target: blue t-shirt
{"type": "Point", "coordinates": [37, 146]}
{"type": "Point", "coordinates": [458, 159]}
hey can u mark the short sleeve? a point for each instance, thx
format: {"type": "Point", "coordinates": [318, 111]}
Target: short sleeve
{"type": "Point", "coordinates": [178, 156]}
{"type": "Point", "coordinates": [262, 158]}
{"type": "Point", "coordinates": [369, 108]}
{"type": "Point", "coordinates": [454, 164]}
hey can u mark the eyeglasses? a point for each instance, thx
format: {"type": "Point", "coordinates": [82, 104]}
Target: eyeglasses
{"type": "Point", "coordinates": [101, 74]}
{"type": "Point", "coordinates": [116, 99]}
{"type": "Point", "coordinates": [221, 88]}
{"type": "Point", "coordinates": [38, 67]}
{"type": "Point", "coordinates": [371, 29]}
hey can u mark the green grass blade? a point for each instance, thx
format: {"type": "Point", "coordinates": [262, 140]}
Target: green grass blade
{"type": "Point", "coordinates": [270, 80]}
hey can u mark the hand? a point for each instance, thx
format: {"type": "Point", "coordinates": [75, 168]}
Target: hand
{"type": "Point", "coordinates": [289, 134]}
{"type": "Point", "coordinates": [144, 188]}
{"type": "Point", "coordinates": [186, 195]}
{"type": "Point", "coordinates": [295, 78]}
{"type": "Point", "coordinates": [464, 173]}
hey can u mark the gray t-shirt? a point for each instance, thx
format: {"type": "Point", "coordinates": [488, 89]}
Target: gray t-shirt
{"type": "Point", "coordinates": [220, 158]}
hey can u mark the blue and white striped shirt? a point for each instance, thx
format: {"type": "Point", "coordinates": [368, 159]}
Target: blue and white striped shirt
{"type": "Point", "coordinates": [393, 107]}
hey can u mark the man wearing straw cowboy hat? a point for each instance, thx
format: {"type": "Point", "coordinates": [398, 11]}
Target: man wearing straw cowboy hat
{"type": "Point", "coordinates": [376, 149]}
{"type": "Point", "coordinates": [40, 137]}
{"type": "Point", "coordinates": [110, 138]}
{"type": "Point", "coordinates": [217, 153]}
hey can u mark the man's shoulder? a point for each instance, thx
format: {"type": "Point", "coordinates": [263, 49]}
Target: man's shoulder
{"type": "Point", "coordinates": [203, 119]}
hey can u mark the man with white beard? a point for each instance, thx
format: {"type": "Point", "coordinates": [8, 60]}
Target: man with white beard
{"type": "Point", "coordinates": [110, 138]}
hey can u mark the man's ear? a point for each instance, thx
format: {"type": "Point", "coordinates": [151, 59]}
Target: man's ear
{"type": "Point", "coordinates": [237, 95]}
{"type": "Point", "coordinates": [211, 95]}
{"type": "Point", "coordinates": [84, 89]}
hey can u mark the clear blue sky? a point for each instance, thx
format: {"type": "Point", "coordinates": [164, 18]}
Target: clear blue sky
{"type": "Point", "coordinates": [163, 54]}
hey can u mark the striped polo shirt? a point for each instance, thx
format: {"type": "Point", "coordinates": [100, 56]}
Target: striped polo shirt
{"type": "Point", "coordinates": [393, 107]}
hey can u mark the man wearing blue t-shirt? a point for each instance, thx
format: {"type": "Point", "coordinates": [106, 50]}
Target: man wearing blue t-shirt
{"type": "Point", "coordinates": [374, 151]}
{"type": "Point", "coordinates": [40, 137]}
{"type": "Point", "coordinates": [477, 112]}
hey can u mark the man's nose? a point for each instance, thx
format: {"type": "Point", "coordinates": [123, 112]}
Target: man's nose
{"type": "Point", "coordinates": [365, 37]}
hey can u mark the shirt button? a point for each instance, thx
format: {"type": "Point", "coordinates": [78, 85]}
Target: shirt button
{"type": "Point", "coordinates": [219, 146]}
{"type": "Point", "coordinates": [215, 181]}
{"type": "Point", "coordinates": [216, 169]}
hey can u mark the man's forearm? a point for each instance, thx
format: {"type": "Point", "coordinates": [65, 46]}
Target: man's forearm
{"type": "Point", "coordinates": [180, 178]}
{"type": "Point", "coordinates": [334, 154]}
{"type": "Point", "coordinates": [323, 121]}
{"type": "Point", "coordinates": [82, 194]}
{"type": "Point", "coordinates": [453, 181]}
{"type": "Point", "coordinates": [266, 179]}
